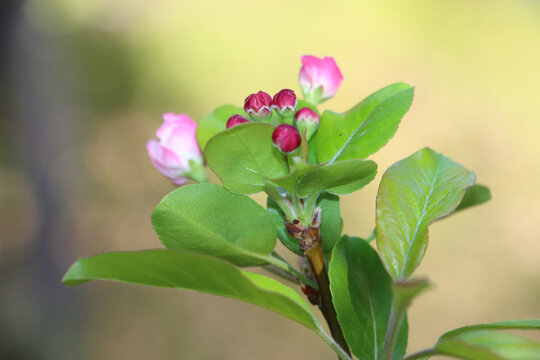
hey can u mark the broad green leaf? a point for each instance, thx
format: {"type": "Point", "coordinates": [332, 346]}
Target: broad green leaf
{"type": "Point", "coordinates": [365, 128]}
{"type": "Point", "coordinates": [330, 223]}
{"type": "Point", "coordinates": [244, 158]}
{"type": "Point", "coordinates": [362, 294]}
{"type": "Point", "coordinates": [413, 193]}
{"type": "Point", "coordinates": [178, 270]}
{"type": "Point", "coordinates": [476, 195]}
{"type": "Point", "coordinates": [485, 342]}
{"type": "Point", "coordinates": [353, 186]}
{"type": "Point", "coordinates": [343, 175]}
{"type": "Point", "coordinates": [207, 219]}
{"type": "Point", "coordinates": [175, 269]}
{"type": "Point", "coordinates": [216, 122]}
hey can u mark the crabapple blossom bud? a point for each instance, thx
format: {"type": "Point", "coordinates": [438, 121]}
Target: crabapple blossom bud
{"type": "Point", "coordinates": [258, 106]}
{"type": "Point", "coordinates": [284, 102]}
{"type": "Point", "coordinates": [177, 154]}
{"type": "Point", "coordinates": [236, 120]}
{"type": "Point", "coordinates": [306, 120]}
{"type": "Point", "coordinates": [286, 138]}
{"type": "Point", "coordinates": [319, 78]}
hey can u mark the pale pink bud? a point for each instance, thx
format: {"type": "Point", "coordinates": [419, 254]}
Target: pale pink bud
{"type": "Point", "coordinates": [306, 115]}
{"type": "Point", "coordinates": [177, 146]}
{"type": "Point", "coordinates": [286, 138]}
{"type": "Point", "coordinates": [284, 102]}
{"type": "Point", "coordinates": [319, 78]}
{"type": "Point", "coordinates": [236, 120]}
{"type": "Point", "coordinates": [258, 106]}
{"type": "Point", "coordinates": [306, 120]}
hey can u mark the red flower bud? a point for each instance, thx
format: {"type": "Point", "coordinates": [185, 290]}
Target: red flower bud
{"type": "Point", "coordinates": [284, 102]}
{"type": "Point", "coordinates": [286, 138]}
{"type": "Point", "coordinates": [236, 120]}
{"type": "Point", "coordinates": [258, 106]}
{"type": "Point", "coordinates": [306, 115]}
{"type": "Point", "coordinates": [306, 120]}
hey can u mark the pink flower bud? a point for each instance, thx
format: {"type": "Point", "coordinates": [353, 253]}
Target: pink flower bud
{"type": "Point", "coordinates": [284, 102]}
{"type": "Point", "coordinates": [319, 78]}
{"type": "Point", "coordinates": [236, 120]}
{"type": "Point", "coordinates": [306, 115]}
{"type": "Point", "coordinates": [306, 120]}
{"type": "Point", "coordinates": [286, 138]}
{"type": "Point", "coordinates": [258, 106]}
{"type": "Point", "coordinates": [177, 154]}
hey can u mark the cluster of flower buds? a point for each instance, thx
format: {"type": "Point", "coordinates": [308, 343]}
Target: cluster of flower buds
{"type": "Point", "coordinates": [177, 154]}
{"type": "Point", "coordinates": [286, 138]}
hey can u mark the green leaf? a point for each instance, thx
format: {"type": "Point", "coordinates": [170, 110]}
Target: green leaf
{"type": "Point", "coordinates": [476, 195]}
{"type": "Point", "coordinates": [244, 158]}
{"type": "Point", "coordinates": [330, 220]}
{"type": "Point", "coordinates": [216, 122]}
{"type": "Point", "coordinates": [484, 342]}
{"type": "Point", "coordinates": [175, 269]}
{"type": "Point", "coordinates": [413, 193]}
{"type": "Point", "coordinates": [362, 294]}
{"type": "Point", "coordinates": [334, 178]}
{"type": "Point", "coordinates": [365, 128]}
{"type": "Point", "coordinates": [405, 291]}
{"type": "Point", "coordinates": [178, 270]}
{"type": "Point", "coordinates": [207, 219]}
{"type": "Point", "coordinates": [330, 223]}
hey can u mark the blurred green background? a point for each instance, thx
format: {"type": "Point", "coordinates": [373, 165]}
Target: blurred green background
{"type": "Point", "coordinates": [82, 87]}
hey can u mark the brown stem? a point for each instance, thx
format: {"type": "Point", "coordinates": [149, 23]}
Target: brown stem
{"type": "Point", "coordinates": [316, 260]}
{"type": "Point", "coordinates": [311, 245]}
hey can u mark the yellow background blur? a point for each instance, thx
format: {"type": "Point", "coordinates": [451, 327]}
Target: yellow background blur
{"type": "Point", "coordinates": [83, 84]}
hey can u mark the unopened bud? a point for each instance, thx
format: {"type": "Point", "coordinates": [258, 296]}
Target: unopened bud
{"type": "Point", "coordinates": [306, 120]}
{"type": "Point", "coordinates": [284, 102]}
{"type": "Point", "coordinates": [258, 106]}
{"type": "Point", "coordinates": [286, 138]}
{"type": "Point", "coordinates": [236, 120]}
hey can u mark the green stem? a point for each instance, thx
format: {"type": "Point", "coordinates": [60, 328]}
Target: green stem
{"type": "Point", "coordinates": [283, 203]}
{"type": "Point", "coordinates": [343, 355]}
{"type": "Point", "coordinates": [421, 354]}
{"type": "Point", "coordinates": [285, 266]}
{"type": "Point", "coordinates": [282, 274]}
{"type": "Point", "coordinates": [397, 315]}
{"type": "Point", "coordinates": [372, 236]}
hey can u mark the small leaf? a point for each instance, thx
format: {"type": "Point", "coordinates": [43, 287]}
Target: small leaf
{"type": "Point", "coordinates": [244, 158]}
{"type": "Point", "coordinates": [279, 221]}
{"type": "Point", "coordinates": [413, 193]}
{"type": "Point", "coordinates": [476, 195]}
{"type": "Point", "coordinates": [179, 270]}
{"type": "Point", "coordinates": [365, 128]}
{"type": "Point", "coordinates": [362, 294]}
{"type": "Point", "coordinates": [485, 342]}
{"type": "Point", "coordinates": [207, 219]}
{"type": "Point", "coordinates": [216, 122]}
{"type": "Point", "coordinates": [405, 291]}
{"type": "Point", "coordinates": [330, 223]}
{"type": "Point", "coordinates": [337, 177]}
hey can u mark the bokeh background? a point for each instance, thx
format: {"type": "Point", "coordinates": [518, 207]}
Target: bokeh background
{"type": "Point", "coordinates": [82, 87]}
